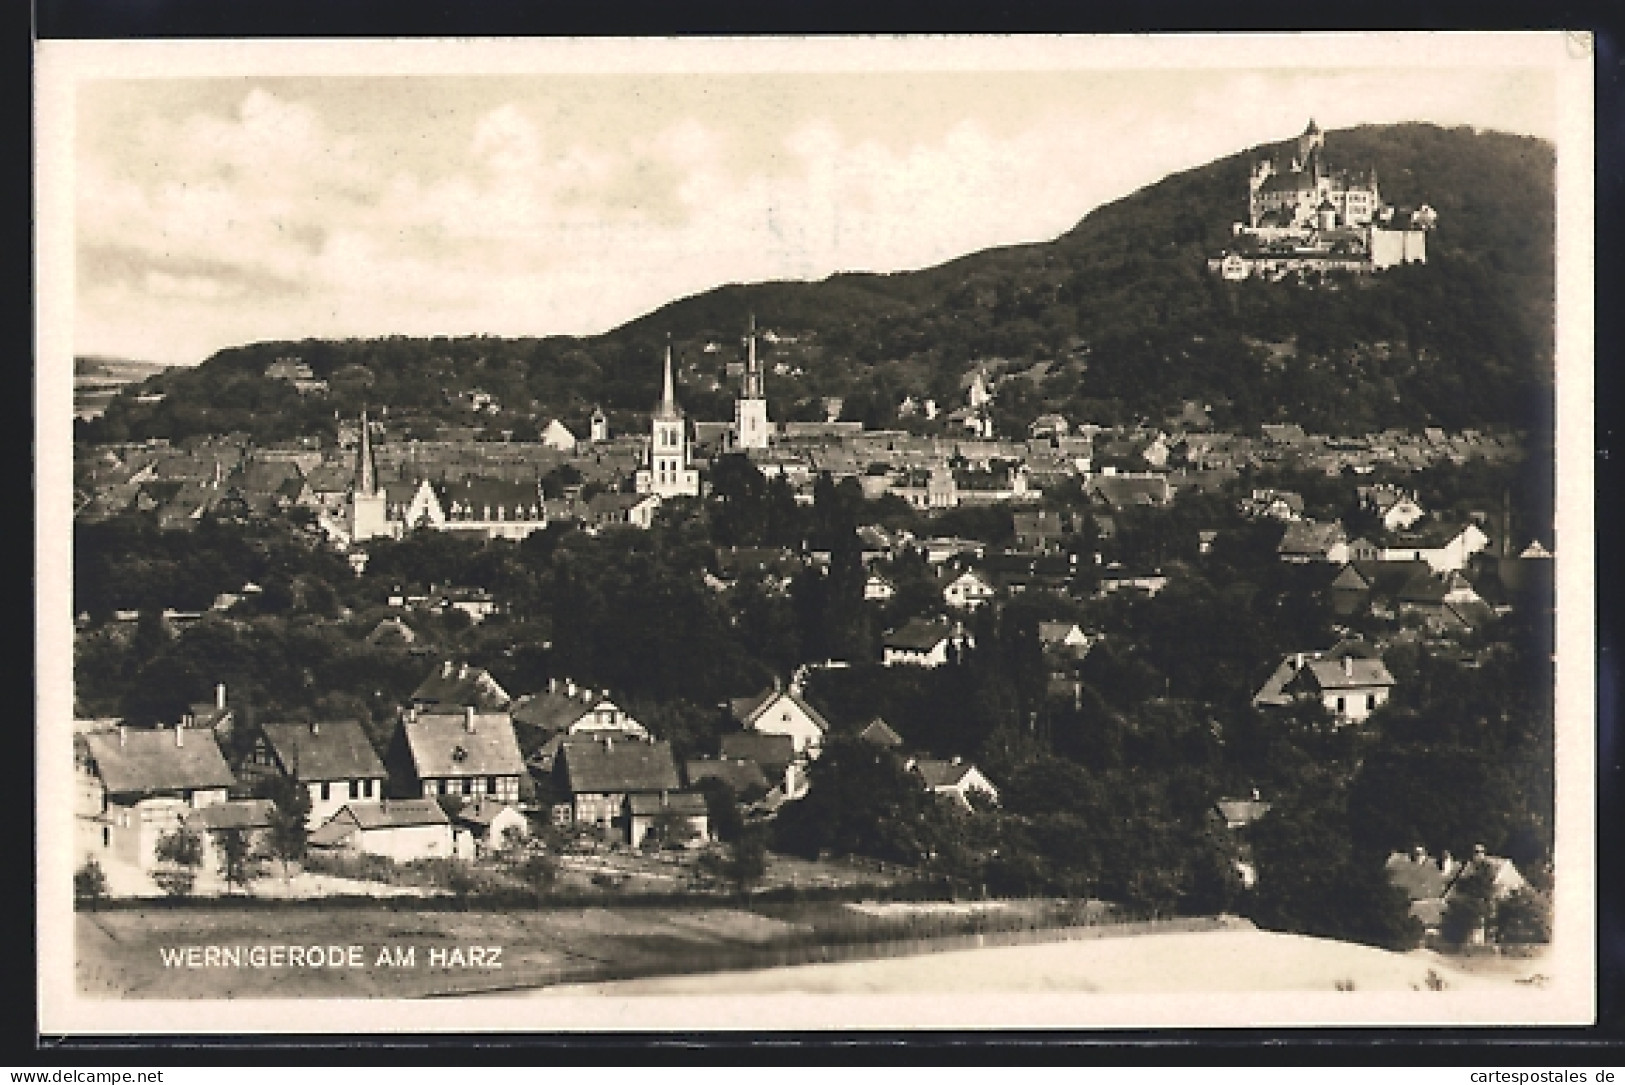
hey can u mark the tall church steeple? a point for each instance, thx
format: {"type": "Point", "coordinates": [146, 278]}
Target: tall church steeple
{"type": "Point", "coordinates": [369, 514]}
{"type": "Point", "coordinates": [751, 427]}
{"type": "Point", "coordinates": [667, 470]}
{"type": "Point", "coordinates": [668, 392]}
{"type": "Point", "coordinates": [366, 466]}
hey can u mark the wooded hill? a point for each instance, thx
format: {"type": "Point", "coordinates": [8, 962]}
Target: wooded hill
{"type": "Point", "coordinates": [1117, 319]}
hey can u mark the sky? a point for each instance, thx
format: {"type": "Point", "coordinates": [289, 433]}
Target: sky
{"type": "Point", "coordinates": [212, 211]}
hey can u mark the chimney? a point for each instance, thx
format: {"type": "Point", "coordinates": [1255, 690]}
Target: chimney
{"type": "Point", "coordinates": [180, 735]}
{"type": "Point", "coordinates": [220, 696]}
{"type": "Point", "coordinates": [445, 669]}
{"type": "Point", "coordinates": [1256, 796]}
{"type": "Point", "coordinates": [609, 743]}
{"type": "Point", "coordinates": [570, 688]}
{"type": "Point", "coordinates": [315, 727]}
{"type": "Point", "coordinates": [1348, 666]}
{"type": "Point", "coordinates": [1479, 851]}
{"type": "Point", "coordinates": [552, 685]}
{"type": "Point", "coordinates": [468, 718]}
{"type": "Point", "coordinates": [956, 759]}
{"type": "Point", "coordinates": [123, 735]}
{"type": "Point", "coordinates": [1297, 661]}
{"type": "Point", "coordinates": [462, 672]}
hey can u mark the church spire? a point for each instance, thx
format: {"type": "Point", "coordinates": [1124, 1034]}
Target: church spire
{"type": "Point", "coordinates": [668, 394]}
{"type": "Point", "coordinates": [753, 372]}
{"type": "Point", "coordinates": [366, 468]}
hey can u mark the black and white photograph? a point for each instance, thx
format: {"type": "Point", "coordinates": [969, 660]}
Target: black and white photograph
{"type": "Point", "coordinates": [775, 533]}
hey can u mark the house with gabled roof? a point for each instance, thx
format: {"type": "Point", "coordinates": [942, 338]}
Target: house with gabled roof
{"type": "Point", "coordinates": [1065, 638]}
{"type": "Point", "coordinates": [600, 773]}
{"type": "Point", "coordinates": [463, 752]}
{"type": "Point", "coordinates": [565, 708]}
{"type": "Point", "coordinates": [404, 830]}
{"type": "Point", "coordinates": [622, 510]}
{"type": "Point", "coordinates": [332, 759]}
{"type": "Point", "coordinates": [778, 711]}
{"type": "Point", "coordinates": [776, 754]}
{"type": "Point", "coordinates": [1309, 541]}
{"type": "Point", "coordinates": [968, 590]}
{"type": "Point", "coordinates": [452, 686]}
{"type": "Point", "coordinates": [742, 776]}
{"type": "Point", "coordinates": [645, 810]}
{"type": "Point", "coordinates": [139, 784]}
{"type": "Point", "coordinates": [1350, 688]}
{"type": "Point", "coordinates": [923, 642]}
{"type": "Point", "coordinates": [1395, 509]}
{"type": "Point", "coordinates": [1430, 885]}
{"type": "Point", "coordinates": [879, 733]}
{"type": "Point", "coordinates": [488, 823]}
{"type": "Point", "coordinates": [954, 778]}
{"type": "Point", "coordinates": [1444, 547]}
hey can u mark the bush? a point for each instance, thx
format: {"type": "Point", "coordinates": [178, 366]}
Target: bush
{"type": "Point", "coordinates": [352, 864]}
{"type": "Point", "coordinates": [89, 884]}
{"type": "Point", "coordinates": [1524, 917]}
{"type": "Point", "coordinates": [181, 853]}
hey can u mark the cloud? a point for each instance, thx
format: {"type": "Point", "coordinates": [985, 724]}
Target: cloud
{"type": "Point", "coordinates": [288, 209]}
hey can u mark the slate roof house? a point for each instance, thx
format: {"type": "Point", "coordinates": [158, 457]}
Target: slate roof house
{"type": "Point", "coordinates": [1431, 885]}
{"type": "Point", "coordinates": [599, 774]}
{"type": "Point", "coordinates": [457, 685]}
{"type": "Point", "coordinates": [333, 759]}
{"type": "Point", "coordinates": [1351, 689]}
{"type": "Point", "coordinates": [140, 784]}
{"type": "Point", "coordinates": [774, 754]}
{"type": "Point", "coordinates": [567, 709]}
{"type": "Point", "coordinates": [741, 775]}
{"type": "Point", "coordinates": [955, 778]}
{"type": "Point", "coordinates": [782, 712]}
{"type": "Point", "coordinates": [398, 829]}
{"type": "Point", "coordinates": [1350, 679]}
{"type": "Point", "coordinates": [467, 753]}
{"type": "Point", "coordinates": [922, 642]}
{"type": "Point", "coordinates": [1307, 541]}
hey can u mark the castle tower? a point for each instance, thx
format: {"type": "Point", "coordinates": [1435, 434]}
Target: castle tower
{"type": "Point", "coordinates": [667, 471]}
{"type": "Point", "coordinates": [751, 425]}
{"type": "Point", "coordinates": [368, 516]}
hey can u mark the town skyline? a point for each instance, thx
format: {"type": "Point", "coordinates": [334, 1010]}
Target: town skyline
{"type": "Point", "coordinates": [211, 212]}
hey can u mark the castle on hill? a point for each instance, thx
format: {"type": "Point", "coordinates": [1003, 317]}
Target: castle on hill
{"type": "Point", "coordinates": [1303, 216]}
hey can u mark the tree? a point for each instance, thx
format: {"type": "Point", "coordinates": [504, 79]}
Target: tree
{"type": "Point", "coordinates": [537, 867]}
{"type": "Point", "coordinates": [742, 862]}
{"type": "Point", "coordinates": [237, 865]}
{"type": "Point", "coordinates": [1470, 907]}
{"type": "Point", "coordinates": [1523, 917]}
{"type": "Point", "coordinates": [290, 807]}
{"type": "Point", "coordinates": [181, 853]}
{"type": "Point", "coordinates": [669, 829]}
{"type": "Point", "coordinates": [89, 884]}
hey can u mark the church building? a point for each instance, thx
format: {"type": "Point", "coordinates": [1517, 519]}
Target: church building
{"type": "Point", "coordinates": [668, 470]}
{"type": "Point", "coordinates": [751, 426]}
{"type": "Point", "coordinates": [368, 502]}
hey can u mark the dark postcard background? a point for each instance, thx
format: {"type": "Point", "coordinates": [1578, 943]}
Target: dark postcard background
{"type": "Point", "coordinates": [1597, 1046]}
